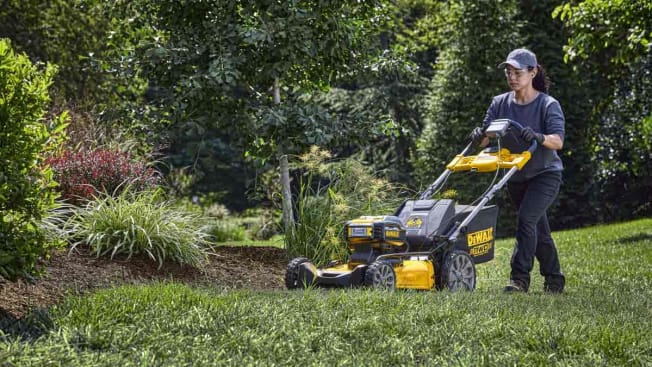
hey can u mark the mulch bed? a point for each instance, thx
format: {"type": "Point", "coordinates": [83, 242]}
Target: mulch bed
{"type": "Point", "coordinates": [81, 272]}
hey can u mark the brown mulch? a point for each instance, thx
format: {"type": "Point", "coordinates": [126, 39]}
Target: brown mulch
{"type": "Point", "coordinates": [80, 272]}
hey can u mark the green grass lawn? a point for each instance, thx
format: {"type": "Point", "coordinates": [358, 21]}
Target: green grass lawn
{"type": "Point", "coordinates": [604, 319]}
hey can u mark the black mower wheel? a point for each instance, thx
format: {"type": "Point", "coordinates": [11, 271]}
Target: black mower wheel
{"type": "Point", "coordinates": [458, 271]}
{"type": "Point", "coordinates": [292, 273]}
{"type": "Point", "coordinates": [380, 275]}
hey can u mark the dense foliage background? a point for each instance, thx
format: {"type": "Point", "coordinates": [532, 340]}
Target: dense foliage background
{"type": "Point", "coordinates": [396, 85]}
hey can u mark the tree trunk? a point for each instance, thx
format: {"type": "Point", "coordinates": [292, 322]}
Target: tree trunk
{"type": "Point", "coordinates": [288, 217]}
{"type": "Point", "coordinates": [277, 92]}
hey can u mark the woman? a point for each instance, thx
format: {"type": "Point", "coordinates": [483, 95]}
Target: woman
{"type": "Point", "coordinates": [536, 186]}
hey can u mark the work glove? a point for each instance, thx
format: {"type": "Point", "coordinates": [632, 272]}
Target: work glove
{"type": "Point", "coordinates": [477, 135]}
{"type": "Point", "coordinates": [528, 135]}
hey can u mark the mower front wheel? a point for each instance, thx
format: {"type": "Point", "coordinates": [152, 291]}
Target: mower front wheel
{"type": "Point", "coordinates": [292, 280]}
{"type": "Point", "coordinates": [458, 271]}
{"type": "Point", "coordinates": [380, 275]}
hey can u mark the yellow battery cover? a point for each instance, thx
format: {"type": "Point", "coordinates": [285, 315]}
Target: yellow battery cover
{"type": "Point", "coordinates": [415, 274]}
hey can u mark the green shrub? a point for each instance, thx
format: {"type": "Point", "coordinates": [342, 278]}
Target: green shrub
{"type": "Point", "coordinates": [225, 230]}
{"type": "Point", "coordinates": [26, 190]}
{"type": "Point", "coordinates": [261, 223]}
{"type": "Point", "coordinates": [139, 223]}
{"type": "Point", "coordinates": [224, 226]}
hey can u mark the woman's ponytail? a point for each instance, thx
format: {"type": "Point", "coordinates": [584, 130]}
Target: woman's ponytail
{"type": "Point", "coordinates": [541, 81]}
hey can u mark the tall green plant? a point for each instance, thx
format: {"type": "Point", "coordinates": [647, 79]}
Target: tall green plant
{"type": "Point", "coordinates": [312, 234]}
{"type": "Point", "coordinates": [329, 194]}
{"type": "Point", "coordinates": [26, 188]}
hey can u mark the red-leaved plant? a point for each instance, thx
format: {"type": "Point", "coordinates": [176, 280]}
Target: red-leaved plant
{"type": "Point", "coordinates": [82, 174]}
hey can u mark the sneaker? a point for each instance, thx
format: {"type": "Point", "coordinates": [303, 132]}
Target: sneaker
{"type": "Point", "coordinates": [554, 285]}
{"type": "Point", "coordinates": [515, 287]}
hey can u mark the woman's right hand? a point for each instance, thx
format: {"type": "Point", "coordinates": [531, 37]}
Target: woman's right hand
{"type": "Point", "coordinates": [477, 135]}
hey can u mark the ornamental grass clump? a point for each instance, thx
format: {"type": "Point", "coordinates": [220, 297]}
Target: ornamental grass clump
{"type": "Point", "coordinates": [139, 223]}
{"type": "Point", "coordinates": [330, 194]}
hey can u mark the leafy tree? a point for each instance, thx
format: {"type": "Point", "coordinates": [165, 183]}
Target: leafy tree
{"type": "Point", "coordinates": [255, 68]}
{"type": "Point", "coordinates": [66, 33]}
{"type": "Point", "coordinates": [388, 93]}
{"type": "Point", "coordinates": [619, 31]}
{"type": "Point", "coordinates": [612, 41]}
{"type": "Point", "coordinates": [392, 88]}
{"type": "Point", "coordinates": [92, 42]}
{"type": "Point", "coordinates": [625, 148]}
{"type": "Point", "coordinates": [26, 189]}
{"type": "Point", "coordinates": [220, 60]}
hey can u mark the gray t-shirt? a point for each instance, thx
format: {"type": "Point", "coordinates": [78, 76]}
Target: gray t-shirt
{"type": "Point", "coordinates": [543, 115]}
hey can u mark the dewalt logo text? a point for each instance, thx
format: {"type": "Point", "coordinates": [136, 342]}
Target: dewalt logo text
{"type": "Point", "coordinates": [414, 222]}
{"type": "Point", "coordinates": [480, 242]}
{"type": "Point", "coordinates": [479, 237]}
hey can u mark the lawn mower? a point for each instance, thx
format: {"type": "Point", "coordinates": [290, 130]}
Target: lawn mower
{"type": "Point", "coordinates": [427, 243]}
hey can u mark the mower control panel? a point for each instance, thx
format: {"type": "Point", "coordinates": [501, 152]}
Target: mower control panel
{"type": "Point", "coordinates": [498, 128]}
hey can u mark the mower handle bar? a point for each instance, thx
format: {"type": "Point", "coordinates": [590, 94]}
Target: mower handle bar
{"type": "Point", "coordinates": [442, 178]}
{"type": "Point", "coordinates": [460, 228]}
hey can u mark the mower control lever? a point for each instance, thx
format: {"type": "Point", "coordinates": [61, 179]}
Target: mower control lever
{"type": "Point", "coordinates": [499, 127]}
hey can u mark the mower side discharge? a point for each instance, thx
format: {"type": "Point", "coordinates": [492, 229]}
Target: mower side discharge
{"type": "Point", "coordinates": [428, 243]}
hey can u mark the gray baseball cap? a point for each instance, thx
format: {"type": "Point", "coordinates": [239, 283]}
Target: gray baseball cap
{"type": "Point", "coordinates": [520, 58]}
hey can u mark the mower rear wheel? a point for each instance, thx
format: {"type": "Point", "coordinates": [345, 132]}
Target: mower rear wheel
{"type": "Point", "coordinates": [292, 273]}
{"type": "Point", "coordinates": [380, 275]}
{"type": "Point", "coordinates": [458, 271]}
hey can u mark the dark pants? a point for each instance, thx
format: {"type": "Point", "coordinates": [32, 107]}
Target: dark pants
{"type": "Point", "coordinates": [532, 198]}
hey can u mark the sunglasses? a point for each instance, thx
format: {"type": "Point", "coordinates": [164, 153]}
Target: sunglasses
{"type": "Point", "coordinates": [516, 73]}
